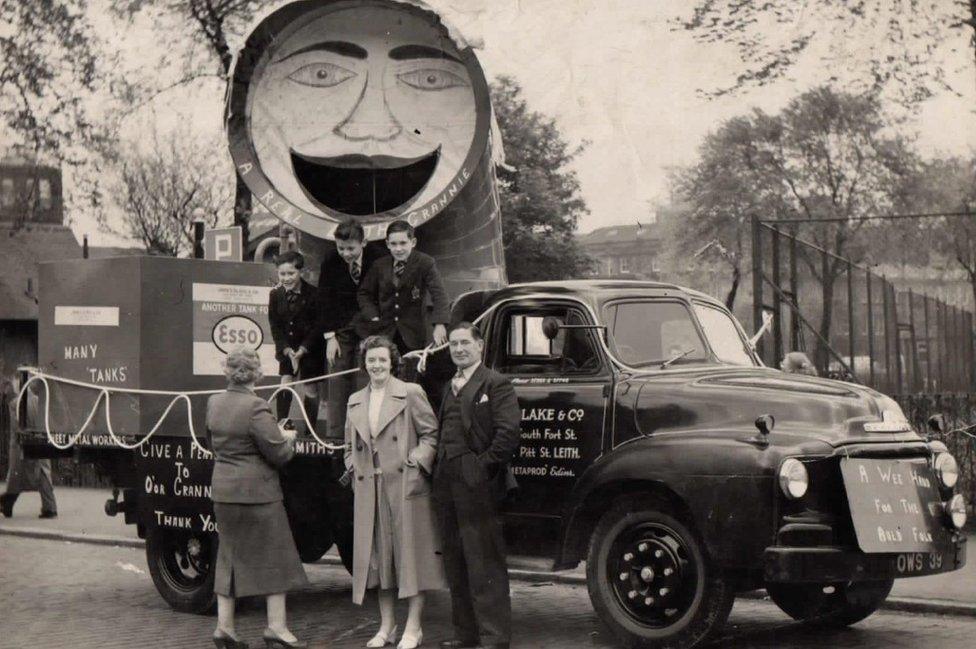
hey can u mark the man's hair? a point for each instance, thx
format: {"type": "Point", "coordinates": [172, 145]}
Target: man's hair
{"type": "Point", "coordinates": [468, 326]}
{"type": "Point", "coordinates": [292, 257]}
{"type": "Point", "coordinates": [400, 226]}
{"type": "Point", "coordinates": [350, 230]}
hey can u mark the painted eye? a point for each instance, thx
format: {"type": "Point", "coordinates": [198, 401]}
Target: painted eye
{"type": "Point", "coordinates": [431, 79]}
{"type": "Point", "coordinates": [321, 75]}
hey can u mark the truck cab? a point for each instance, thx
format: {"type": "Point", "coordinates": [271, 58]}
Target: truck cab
{"type": "Point", "coordinates": [657, 448]}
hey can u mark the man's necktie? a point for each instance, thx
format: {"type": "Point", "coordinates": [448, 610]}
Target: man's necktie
{"type": "Point", "coordinates": [457, 383]}
{"type": "Point", "coordinates": [398, 267]}
{"type": "Point", "coordinates": [355, 271]}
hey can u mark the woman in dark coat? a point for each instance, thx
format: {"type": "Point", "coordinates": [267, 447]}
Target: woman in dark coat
{"type": "Point", "coordinates": [391, 443]}
{"type": "Point", "coordinates": [256, 554]}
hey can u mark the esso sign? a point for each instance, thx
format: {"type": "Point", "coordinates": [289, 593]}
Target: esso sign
{"type": "Point", "coordinates": [237, 330]}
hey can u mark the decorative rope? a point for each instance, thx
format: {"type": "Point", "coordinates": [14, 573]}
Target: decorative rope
{"type": "Point", "coordinates": [104, 392]}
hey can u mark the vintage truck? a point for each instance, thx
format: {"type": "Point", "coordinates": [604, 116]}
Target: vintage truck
{"type": "Point", "coordinates": [655, 447]}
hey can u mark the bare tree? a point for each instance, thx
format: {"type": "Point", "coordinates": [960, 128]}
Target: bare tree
{"type": "Point", "coordinates": [211, 24]}
{"type": "Point", "coordinates": [905, 46]}
{"type": "Point", "coordinates": [162, 189]}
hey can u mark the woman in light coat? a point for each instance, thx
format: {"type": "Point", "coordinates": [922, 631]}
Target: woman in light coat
{"type": "Point", "coordinates": [391, 443]}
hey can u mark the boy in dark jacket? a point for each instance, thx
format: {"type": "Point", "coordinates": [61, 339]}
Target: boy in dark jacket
{"type": "Point", "coordinates": [293, 311]}
{"type": "Point", "coordinates": [343, 269]}
{"type": "Point", "coordinates": [392, 295]}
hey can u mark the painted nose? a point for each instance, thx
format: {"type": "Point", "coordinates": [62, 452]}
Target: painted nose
{"type": "Point", "coordinates": [370, 118]}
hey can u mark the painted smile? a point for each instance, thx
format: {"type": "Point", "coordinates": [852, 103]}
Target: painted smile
{"type": "Point", "coordinates": [361, 185]}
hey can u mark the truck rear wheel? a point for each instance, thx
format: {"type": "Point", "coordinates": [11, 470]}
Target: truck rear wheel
{"type": "Point", "coordinates": [649, 579]}
{"type": "Point", "coordinates": [830, 605]}
{"type": "Point", "coordinates": [182, 568]}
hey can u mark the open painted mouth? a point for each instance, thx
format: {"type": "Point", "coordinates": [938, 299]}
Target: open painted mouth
{"type": "Point", "coordinates": [361, 185]}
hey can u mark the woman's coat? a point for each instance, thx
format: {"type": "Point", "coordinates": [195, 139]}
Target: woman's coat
{"type": "Point", "coordinates": [406, 445]}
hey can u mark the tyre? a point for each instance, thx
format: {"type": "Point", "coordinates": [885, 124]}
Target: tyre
{"type": "Point", "coordinates": [182, 568]}
{"type": "Point", "coordinates": [830, 605]}
{"type": "Point", "coordinates": [649, 578]}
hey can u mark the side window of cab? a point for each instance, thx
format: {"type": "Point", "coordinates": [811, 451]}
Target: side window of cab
{"type": "Point", "coordinates": [547, 342]}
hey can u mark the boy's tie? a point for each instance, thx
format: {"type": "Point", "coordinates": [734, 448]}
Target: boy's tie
{"type": "Point", "coordinates": [355, 271]}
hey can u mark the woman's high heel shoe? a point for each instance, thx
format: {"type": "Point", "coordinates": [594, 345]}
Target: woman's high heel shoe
{"type": "Point", "coordinates": [411, 641]}
{"type": "Point", "coordinates": [382, 639]}
{"type": "Point", "coordinates": [227, 641]}
{"type": "Point", "coordinates": [272, 641]}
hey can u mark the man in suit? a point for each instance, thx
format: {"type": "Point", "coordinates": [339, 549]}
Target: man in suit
{"type": "Point", "coordinates": [342, 271]}
{"type": "Point", "coordinates": [479, 433]}
{"type": "Point", "coordinates": [392, 295]}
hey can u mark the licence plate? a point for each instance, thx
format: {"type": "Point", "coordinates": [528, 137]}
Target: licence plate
{"type": "Point", "coordinates": [919, 563]}
{"type": "Point", "coordinates": [896, 507]}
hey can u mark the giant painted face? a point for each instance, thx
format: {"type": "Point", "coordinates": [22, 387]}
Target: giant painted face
{"type": "Point", "coordinates": [363, 108]}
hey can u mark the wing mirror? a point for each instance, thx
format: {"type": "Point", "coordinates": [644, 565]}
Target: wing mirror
{"type": "Point", "coordinates": [550, 327]}
{"type": "Point", "coordinates": [937, 424]}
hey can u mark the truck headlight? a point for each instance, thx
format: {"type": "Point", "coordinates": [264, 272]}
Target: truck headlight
{"type": "Point", "coordinates": [793, 478]}
{"type": "Point", "coordinates": [956, 511]}
{"type": "Point", "coordinates": [947, 469]}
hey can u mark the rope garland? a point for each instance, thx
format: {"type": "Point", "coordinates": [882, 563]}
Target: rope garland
{"type": "Point", "coordinates": [104, 393]}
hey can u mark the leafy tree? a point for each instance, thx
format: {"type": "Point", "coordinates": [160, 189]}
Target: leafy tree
{"type": "Point", "coordinates": [49, 70]}
{"type": "Point", "coordinates": [946, 185]}
{"type": "Point", "coordinates": [912, 43]}
{"type": "Point", "coordinates": [540, 197]}
{"type": "Point", "coordinates": [165, 187]}
{"type": "Point", "coordinates": [210, 24]}
{"type": "Point", "coordinates": [826, 155]}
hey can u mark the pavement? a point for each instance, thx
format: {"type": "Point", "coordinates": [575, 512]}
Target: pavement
{"type": "Point", "coordinates": [61, 595]}
{"type": "Point", "coordinates": [81, 519]}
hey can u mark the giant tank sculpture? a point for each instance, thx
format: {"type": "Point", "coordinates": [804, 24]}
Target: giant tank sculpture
{"type": "Point", "coordinates": [374, 110]}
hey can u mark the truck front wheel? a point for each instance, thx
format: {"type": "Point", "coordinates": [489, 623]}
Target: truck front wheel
{"type": "Point", "coordinates": [830, 605]}
{"type": "Point", "coordinates": [182, 568]}
{"type": "Point", "coordinates": [649, 579]}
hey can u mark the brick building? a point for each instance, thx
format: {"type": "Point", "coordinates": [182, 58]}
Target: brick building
{"type": "Point", "coordinates": [625, 251]}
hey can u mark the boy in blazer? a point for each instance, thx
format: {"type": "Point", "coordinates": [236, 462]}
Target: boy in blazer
{"type": "Point", "coordinates": [293, 312]}
{"type": "Point", "coordinates": [479, 434]}
{"type": "Point", "coordinates": [391, 297]}
{"type": "Point", "coordinates": [343, 269]}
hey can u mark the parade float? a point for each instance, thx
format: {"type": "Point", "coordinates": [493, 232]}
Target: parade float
{"type": "Point", "coordinates": [655, 446]}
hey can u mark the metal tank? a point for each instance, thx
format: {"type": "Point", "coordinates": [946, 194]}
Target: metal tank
{"type": "Point", "coordinates": [375, 110]}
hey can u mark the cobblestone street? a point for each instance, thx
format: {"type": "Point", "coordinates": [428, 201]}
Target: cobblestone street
{"type": "Point", "coordinates": [57, 595]}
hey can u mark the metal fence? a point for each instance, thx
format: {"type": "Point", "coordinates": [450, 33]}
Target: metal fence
{"type": "Point", "coordinates": [898, 342]}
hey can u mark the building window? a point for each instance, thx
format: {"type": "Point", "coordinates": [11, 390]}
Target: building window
{"type": "Point", "coordinates": [655, 266]}
{"type": "Point", "coordinates": [44, 193]}
{"type": "Point", "coordinates": [8, 194]}
{"type": "Point", "coordinates": [624, 264]}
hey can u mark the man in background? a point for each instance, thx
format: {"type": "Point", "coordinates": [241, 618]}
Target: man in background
{"type": "Point", "coordinates": [24, 474]}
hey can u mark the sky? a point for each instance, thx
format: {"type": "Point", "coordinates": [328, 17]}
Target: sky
{"type": "Point", "coordinates": [613, 73]}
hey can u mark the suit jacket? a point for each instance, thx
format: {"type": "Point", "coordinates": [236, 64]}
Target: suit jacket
{"type": "Point", "coordinates": [248, 448]}
{"type": "Point", "coordinates": [338, 300]}
{"type": "Point", "coordinates": [401, 307]}
{"type": "Point", "coordinates": [490, 419]}
{"type": "Point", "coordinates": [295, 326]}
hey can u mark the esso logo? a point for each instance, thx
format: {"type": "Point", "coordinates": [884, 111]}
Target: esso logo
{"type": "Point", "coordinates": [237, 330]}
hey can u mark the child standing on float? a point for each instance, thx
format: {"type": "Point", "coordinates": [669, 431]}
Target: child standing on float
{"type": "Point", "coordinates": [293, 312]}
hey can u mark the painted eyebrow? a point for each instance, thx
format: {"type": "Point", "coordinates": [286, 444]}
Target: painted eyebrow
{"type": "Point", "coordinates": [405, 52]}
{"type": "Point", "coordinates": [342, 48]}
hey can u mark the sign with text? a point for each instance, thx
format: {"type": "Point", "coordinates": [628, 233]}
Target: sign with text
{"type": "Point", "coordinates": [226, 316]}
{"type": "Point", "coordinates": [224, 244]}
{"type": "Point", "coordinates": [895, 505]}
